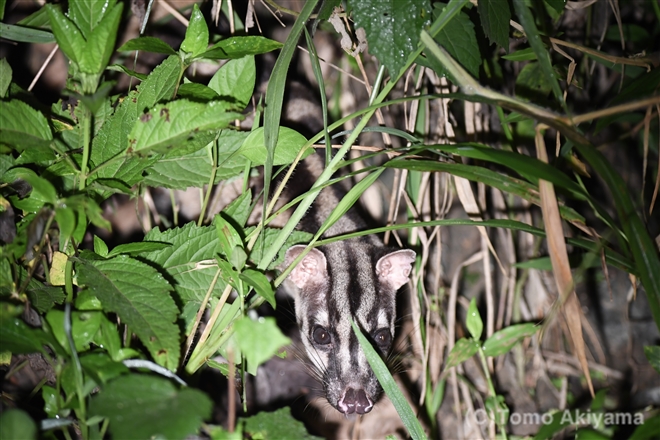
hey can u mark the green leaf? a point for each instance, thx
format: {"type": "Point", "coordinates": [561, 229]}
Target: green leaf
{"type": "Point", "coordinates": [289, 143]}
{"type": "Point", "coordinates": [87, 14]}
{"type": "Point", "coordinates": [16, 336]}
{"type": "Point", "coordinates": [502, 341]}
{"type": "Point", "coordinates": [652, 353]}
{"type": "Point", "coordinates": [101, 368]}
{"type": "Point", "coordinates": [5, 77]}
{"type": "Point", "coordinates": [101, 43]}
{"type": "Point", "coordinates": [392, 28]}
{"type": "Point", "coordinates": [236, 80]}
{"type": "Point", "coordinates": [526, 54]}
{"type": "Point", "coordinates": [197, 92]}
{"type": "Point", "coordinates": [22, 127]}
{"type": "Point", "coordinates": [474, 323]}
{"type": "Point", "coordinates": [147, 44]}
{"type": "Point", "coordinates": [495, 16]}
{"type": "Point", "coordinates": [140, 297]}
{"type": "Point", "coordinates": [542, 55]}
{"type": "Point", "coordinates": [650, 428]}
{"type": "Point", "coordinates": [43, 297]}
{"type": "Point", "coordinates": [531, 78]}
{"type": "Point", "coordinates": [137, 248]}
{"type": "Point", "coordinates": [145, 406]}
{"type": "Point", "coordinates": [175, 123]}
{"type": "Point", "coordinates": [194, 169]}
{"type": "Point", "coordinates": [460, 40]}
{"type": "Point", "coordinates": [261, 284]}
{"type": "Point", "coordinates": [191, 245]}
{"type": "Point", "coordinates": [42, 190]}
{"type": "Point", "coordinates": [67, 35]}
{"type": "Point", "coordinates": [462, 351]}
{"type": "Point", "coordinates": [258, 340]}
{"type": "Point", "coordinates": [100, 247]}
{"type": "Point", "coordinates": [197, 34]}
{"type": "Point", "coordinates": [238, 47]}
{"type": "Point", "coordinates": [276, 425]}
{"type": "Point", "coordinates": [84, 326]}
{"type": "Point", "coordinates": [17, 424]}
{"type": "Point", "coordinates": [270, 237]}
{"type": "Point", "coordinates": [23, 34]}
{"type": "Point", "coordinates": [389, 385]}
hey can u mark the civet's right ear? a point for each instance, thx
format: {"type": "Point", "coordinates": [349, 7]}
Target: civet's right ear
{"type": "Point", "coordinates": [312, 269]}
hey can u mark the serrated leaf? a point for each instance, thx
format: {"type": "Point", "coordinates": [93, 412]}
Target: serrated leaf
{"type": "Point", "coordinates": [236, 79]}
{"type": "Point", "coordinates": [22, 127]}
{"type": "Point", "coordinates": [197, 34]}
{"type": "Point", "coordinates": [261, 284]}
{"type": "Point", "coordinates": [289, 143]}
{"type": "Point", "coordinates": [460, 40]}
{"type": "Point", "coordinates": [87, 14]}
{"type": "Point", "coordinates": [5, 77]}
{"type": "Point", "coordinates": [43, 297]}
{"type": "Point", "coordinates": [258, 340]}
{"type": "Point", "coordinates": [147, 44]}
{"type": "Point", "coordinates": [145, 406]}
{"type": "Point", "coordinates": [237, 47]}
{"type": "Point", "coordinates": [194, 169]}
{"type": "Point", "coordinates": [140, 296]}
{"type": "Point", "coordinates": [495, 16]}
{"type": "Point", "coordinates": [172, 124]}
{"type": "Point", "coordinates": [473, 322]}
{"type": "Point", "coordinates": [67, 34]}
{"type": "Point", "coordinates": [239, 209]}
{"type": "Point", "coordinates": [462, 351]}
{"type": "Point", "coordinates": [191, 245]}
{"type": "Point", "coordinates": [101, 43]}
{"type": "Point", "coordinates": [23, 34]}
{"type": "Point", "coordinates": [137, 248]}
{"type": "Point", "coordinates": [503, 340]}
{"type": "Point", "coordinates": [392, 27]}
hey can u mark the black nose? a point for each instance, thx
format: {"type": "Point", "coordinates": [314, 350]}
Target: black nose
{"type": "Point", "coordinates": [355, 401]}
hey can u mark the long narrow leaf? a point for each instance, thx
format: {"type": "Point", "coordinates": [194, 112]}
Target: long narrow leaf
{"type": "Point", "coordinates": [387, 382]}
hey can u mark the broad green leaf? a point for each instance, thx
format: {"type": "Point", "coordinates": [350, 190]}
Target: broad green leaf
{"type": "Point", "coordinates": [495, 16]}
{"type": "Point", "coordinates": [228, 236]}
{"type": "Point", "coordinates": [17, 424]}
{"type": "Point", "coordinates": [101, 368]}
{"type": "Point", "coordinates": [261, 284]}
{"type": "Point", "coordinates": [531, 79]}
{"type": "Point", "coordinates": [146, 406]}
{"type": "Point", "coordinates": [237, 47]}
{"type": "Point", "coordinates": [22, 127]}
{"type": "Point", "coordinates": [101, 43]}
{"type": "Point", "coordinates": [197, 92]}
{"type": "Point", "coordinates": [66, 222]}
{"type": "Point", "coordinates": [649, 428]}
{"type": "Point", "coordinates": [460, 40]}
{"type": "Point", "coordinates": [84, 326]}
{"type": "Point", "coordinates": [23, 34]}
{"type": "Point", "coordinates": [392, 28]}
{"type": "Point", "coordinates": [239, 209]}
{"type": "Point", "coordinates": [289, 143]}
{"type": "Point", "coordinates": [542, 55]}
{"type": "Point", "coordinates": [42, 190]}
{"type": "Point", "coordinates": [258, 340]}
{"type": "Point", "coordinates": [652, 354]}
{"type": "Point", "coordinates": [16, 336]}
{"type": "Point", "coordinates": [147, 44]}
{"type": "Point", "coordinates": [67, 34]}
{"type": "Point", "coordinates": [43, 297]}
{"type": "Point", "coordinates": [87, 14]}
{"type": "Point", "coordinates": [462, 351]}
{"type": "Point", "coordinates": [502, 341]}
{"type": "Point", "coordinates": [194, 169]}
{"type": "Point", "coordinates": [100, 247]}
{"type": "Point", "coordinates": [189, 261]}
{"type": "Point", "coordinates": [140, 296]}
{"type": "Point", "coordinates": [197, 34]}
{"type": "Point", "coordinates": [389, 385]}
{"type": "Point", "coordinates": [279, 424]}
{"type": "Point", "coordinates": [172, 124]}
{"type": "Point", "coordinates": [473, 322]}
{"type": "Point", "coordinates": [236, 80]}
{"type": "Point", "coordinates": [5, 77]}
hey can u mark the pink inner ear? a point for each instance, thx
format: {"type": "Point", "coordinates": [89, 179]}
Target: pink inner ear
{"type": "Point", "coordinates": [394, 268]}
{"type": "Point", "coordinates": [312, 268]}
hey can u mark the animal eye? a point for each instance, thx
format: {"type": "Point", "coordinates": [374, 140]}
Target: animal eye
{"type": "Point", "coordinates": [321, 335]}
{"type": "Point", "coordinates": [383, 338]}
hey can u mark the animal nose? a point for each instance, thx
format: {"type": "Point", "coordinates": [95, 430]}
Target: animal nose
{"type": "Point", "coordinates": [355, 401]}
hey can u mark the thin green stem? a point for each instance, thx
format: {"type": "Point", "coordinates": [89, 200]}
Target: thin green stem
{"type": "Point", "coordinates": [209, 189]}
{"type": "Point", "coordinates": [86, 128]}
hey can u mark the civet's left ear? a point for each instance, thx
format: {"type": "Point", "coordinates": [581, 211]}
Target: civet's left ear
{"type": "Point", "coordinates": [394, 268]}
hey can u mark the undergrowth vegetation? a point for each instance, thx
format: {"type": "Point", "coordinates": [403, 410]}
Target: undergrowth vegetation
{"type": "Point", "coordinates": [455, 100]}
